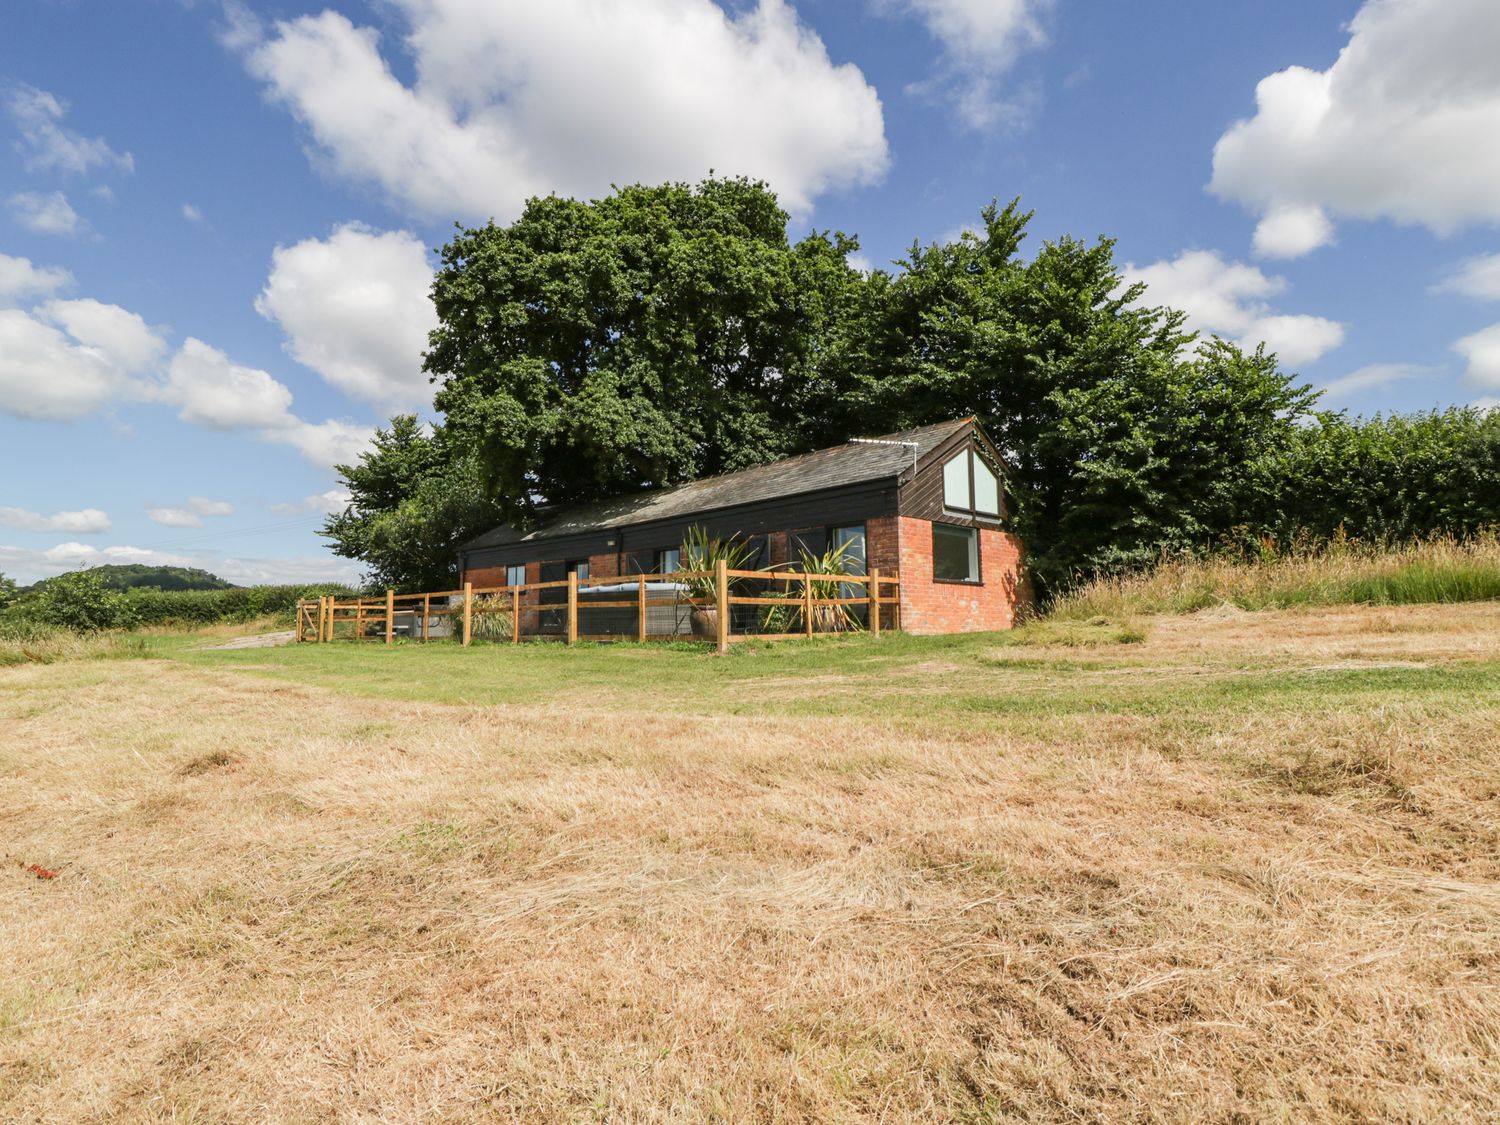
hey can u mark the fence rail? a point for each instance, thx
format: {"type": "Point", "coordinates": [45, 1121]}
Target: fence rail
{"type": "Point", "coordinates": [720, 606]}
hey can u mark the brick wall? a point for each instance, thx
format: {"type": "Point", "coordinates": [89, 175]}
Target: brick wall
{"type": "Point", "coordinates": [948, 607]}
{"type": "Point", "coordinates": [604, 566]}
{"type": "Point", "coordinates": [487, 576]}
{"type": "Point", "coordinates": [484, 577]}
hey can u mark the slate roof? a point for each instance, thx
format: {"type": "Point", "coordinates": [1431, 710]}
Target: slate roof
{"type": "Point", "coordinates": [851, 463]}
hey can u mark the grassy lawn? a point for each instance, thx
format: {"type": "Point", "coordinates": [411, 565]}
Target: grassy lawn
{"type": "Point", "coordinates": [1245, 866]}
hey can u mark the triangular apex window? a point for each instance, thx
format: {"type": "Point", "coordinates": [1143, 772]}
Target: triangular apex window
{"type": "Point", "coordinates": [970, 485]}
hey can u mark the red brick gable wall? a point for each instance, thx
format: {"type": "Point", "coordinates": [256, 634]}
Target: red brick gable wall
{"type": "Point", "coordinates": [951, 607]}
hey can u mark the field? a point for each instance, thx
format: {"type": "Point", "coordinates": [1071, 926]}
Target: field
{"type": "Point", "coordinates": [1217, 866]}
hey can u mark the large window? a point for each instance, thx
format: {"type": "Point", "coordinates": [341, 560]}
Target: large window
{"type": "Point", "coordinates": [515, 575]}
{"type": "Point", "coordinates": [668, 560]}
{"type": "Point", "coordinates": [970, 485]}
{"type": "Point", "coordinates": [580, 568]}
{"type": "Point", "coordinates": [955, 553]}
{"type": "Point", "coordinates": [852, 539]}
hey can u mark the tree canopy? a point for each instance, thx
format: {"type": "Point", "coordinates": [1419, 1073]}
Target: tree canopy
{"type": "Point", "coordinates": [591, 349]}
{"type": "Point", "coordinates": [414, 499]}
{"type": "Point", "coordinates": [651, 337]}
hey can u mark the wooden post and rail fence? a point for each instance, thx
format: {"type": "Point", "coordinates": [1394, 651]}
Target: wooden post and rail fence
{"type": "Point", "coordinates": [784, 603]}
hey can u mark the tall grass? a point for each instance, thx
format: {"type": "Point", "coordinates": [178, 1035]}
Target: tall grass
{"type": "Point", "coordinates": [31, 642]}
{"type": "Point", "coordinates": [1345, 572]}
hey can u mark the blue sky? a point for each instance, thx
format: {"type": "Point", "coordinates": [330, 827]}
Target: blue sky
{"type": "Point", "coordinates": [216, 220]}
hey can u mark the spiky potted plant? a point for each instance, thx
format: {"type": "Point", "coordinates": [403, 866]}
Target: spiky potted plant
{"type": "Point", "coordinates": [835, 617]}
{"type": "Point", "coordinates": [701, 554]}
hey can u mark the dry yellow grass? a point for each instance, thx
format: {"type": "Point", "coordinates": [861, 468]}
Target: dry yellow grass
{"type": "Point", "coordinates": [278, 902]}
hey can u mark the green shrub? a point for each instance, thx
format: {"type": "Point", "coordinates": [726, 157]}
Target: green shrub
{"type": "Point", "coordinates": [79, 601]}
{"type": "Point", "coordinates": [219, 607]}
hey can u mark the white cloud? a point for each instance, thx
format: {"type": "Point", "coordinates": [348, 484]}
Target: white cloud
{"type": "Point", "coordinates": [203, 506]}
{"type": "Point", "coordinates": [1477, 277]}
{"type": "Point", "coordinates": [1488, 402]}
{"type": "Point", "coordinates": [46, 145]}
{"type": "Point", "coordinates": [44, 214]}
{"type": "Point", "coordinates": [981, 39]}
{"type": "Point", "coordinates": [174, 517]}
{"type": "Point", "coordinates": [355, 308]}
{"type": "Point", "coordinates": [1290, 232]}
{"type": "Point", "coordinates": [45, 374]}
{"type": "Point", "coordinates": [192, 214]}
{"type": "Point", "coordinates": [324, 443]}
{"type": "Point", "coordinates": [121, 336]}
{"type": "Point", "coordinates": [1374, 375]}
{"type": "Point", "coordinates": [1231, 299]}
{"type": "Point", "coordinates": [1401, 127]}
{"type": "Point", "coordinates": [68, 358]}
{"type": "Point", "coordinates": [323, 503]}
{"type": "Point", "coordinates": [190, 514]}
{"type": "Point", "coordinates": [1482, 350]}
{"type": "Point", "coordinates": [513, 99]}
{"type": "Point", "coordinates": [213, 391]}
{"type": "Point", "coordinates": [89, 521]}
{"type": "Point", "coordinates": [19, 279]}
{"type": "Point", "coordinates": [27, 565]}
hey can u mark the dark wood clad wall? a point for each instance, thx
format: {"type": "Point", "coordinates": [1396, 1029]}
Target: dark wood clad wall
{"type": "Point", "coordinates": [850, 504]}
{"type": "Point", "coordinates": [922, 496]}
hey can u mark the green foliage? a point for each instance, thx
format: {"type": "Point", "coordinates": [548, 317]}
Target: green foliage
{"type": "Point", "coordinates": [128, 576]}
{"type": "Point", "coordinates": [660, 334]}
{"type": "Point", "coordinates": [220, 607]}
{"type": "Point", "coordinates": [80, 601]}
{"type": "Point", "coordinates": [701, 555]}
{"type": "Point", "coordinates": [415, 499]}
{"type": "Point", "coordinates": [1117, 445]}
{"type": "Point", "coordinates": [7, 591]}
{"type": "Point", "coordinates": [651, 337]}
{"type": "Point", "coordinates": [1388, 478]}
{"type": "Point", "coordinates": [492, 620]}
{"type": "Point", "coordinates": [835, 560]}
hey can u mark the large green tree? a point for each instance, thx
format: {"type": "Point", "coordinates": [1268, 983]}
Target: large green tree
{"type": "Point", "coordinates": [650, 337]}
{"type": "Point", "coordinates": [1121, 442]}
{"type": "Point", "coordinates": [414, 498]}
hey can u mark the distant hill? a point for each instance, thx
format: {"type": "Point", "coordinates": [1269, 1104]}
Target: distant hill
{"type": "Point", "coordinates": [127, 576]}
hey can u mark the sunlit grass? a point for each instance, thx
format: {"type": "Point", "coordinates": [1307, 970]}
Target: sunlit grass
{"type": "Point", "coordinates": [1434, 571]}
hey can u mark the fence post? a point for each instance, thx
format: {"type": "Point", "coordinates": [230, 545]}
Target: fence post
{"type": "Point", "coordinates": [390, 616]}
{"type": "Point", "coordinates": [515, 615]}
{"type": "Point", "coordinates": [468, 612]}
{"type": "Point", "coordinates": [324, 632]}
{"type": "Point", "coordinates": [874, 583]}
{"type": "Point", "coordinates": [807, 606]}
{"type": "Point", "coordinates": [572, 606]}
{"type": "Point", "coordinates": [640, 630]}
{"type": "Point", "coordinates": [426, 614]}
{"type": "Point", "coordinates": [721, 595]}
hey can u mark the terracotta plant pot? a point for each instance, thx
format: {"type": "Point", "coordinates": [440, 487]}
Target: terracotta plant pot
{"type": "Point", "coordinates": [705, 623]}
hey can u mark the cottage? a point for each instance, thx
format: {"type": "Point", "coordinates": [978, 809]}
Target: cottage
{"type": "Point", "coordinates": [927, 504]}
